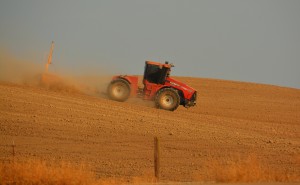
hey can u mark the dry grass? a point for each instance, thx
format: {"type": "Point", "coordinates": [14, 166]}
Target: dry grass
{"type": "Point", "coordinates": [244, 170]}
{"type": "Point", "coordinates": [37, 172]}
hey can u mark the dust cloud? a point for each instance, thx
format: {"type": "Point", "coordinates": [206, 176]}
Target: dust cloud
{"type": "Point", "coordinates": [30, 73]}
{"type": "Point", "coordinates": [16, 70]}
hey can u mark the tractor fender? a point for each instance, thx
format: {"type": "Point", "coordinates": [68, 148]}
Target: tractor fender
{"type": "Point", "coordinates": [129, 79]}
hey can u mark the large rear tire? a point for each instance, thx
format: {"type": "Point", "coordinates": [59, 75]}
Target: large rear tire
{"type": "Point", "coordinates": [119, 90]}
{"type": "Point", "coordinates": [167, 99]}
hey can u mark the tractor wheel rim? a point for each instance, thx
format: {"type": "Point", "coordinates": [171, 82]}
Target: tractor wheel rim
{"type": "Point", "coordinates": [119, 91]}
{"type": "Point", "coordinates": [168, 100]}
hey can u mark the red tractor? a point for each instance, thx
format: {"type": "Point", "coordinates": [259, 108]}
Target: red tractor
{"type": "Point", "coordinates": [167, 92]}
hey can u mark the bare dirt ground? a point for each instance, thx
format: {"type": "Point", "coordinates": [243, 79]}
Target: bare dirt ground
{"type": "Point", "coordinates": [231, 122]}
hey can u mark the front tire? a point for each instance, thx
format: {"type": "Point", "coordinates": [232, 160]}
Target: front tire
{"type": "Point", "coordinates": [119, 90]}
{"type": "Point", "coordinates": [167, 99]}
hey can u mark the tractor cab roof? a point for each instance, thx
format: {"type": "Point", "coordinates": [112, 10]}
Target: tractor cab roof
{"type": "Point", "coordinates": [166, 64]}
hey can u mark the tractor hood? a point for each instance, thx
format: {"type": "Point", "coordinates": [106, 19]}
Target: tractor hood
{"type": "Point", "coordinates": [189, 91]}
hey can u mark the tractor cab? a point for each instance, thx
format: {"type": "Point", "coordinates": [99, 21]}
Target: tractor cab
{"type": "Point", "coordinates": [156, 72]}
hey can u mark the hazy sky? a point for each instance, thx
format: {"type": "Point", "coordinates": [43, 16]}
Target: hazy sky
{"type": "Point", "coordinates": [256, 41]}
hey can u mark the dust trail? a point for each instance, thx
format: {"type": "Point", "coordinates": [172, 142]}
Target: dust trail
{"type": "Point", "coordinates": [26, 72]}
{"type": "Point", "coordinates": [94, 85]}
{"type": "Point", "coordinates": [16, 70]}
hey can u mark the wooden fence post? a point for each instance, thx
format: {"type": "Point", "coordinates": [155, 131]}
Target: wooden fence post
{"type": "Point", "coordinates": [13, 151]}
{"type": "Point", "coordinates": [156, 158]}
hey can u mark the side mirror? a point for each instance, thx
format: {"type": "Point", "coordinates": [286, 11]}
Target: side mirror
{"type": "Point", "coordinates": [172, 65]}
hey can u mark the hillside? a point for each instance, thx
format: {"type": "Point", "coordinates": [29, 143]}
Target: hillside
{"type": "Point", "coordinates": [231, 121]}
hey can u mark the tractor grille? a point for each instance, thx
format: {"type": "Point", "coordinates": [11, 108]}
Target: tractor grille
{"type": "Point", "coordinates": [192, 101]}
{"type": "Point", "coordinates": [194, 97]}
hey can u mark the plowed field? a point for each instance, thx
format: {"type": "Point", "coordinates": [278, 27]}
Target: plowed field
{"type": "Point", "coordinates": [232, 121]}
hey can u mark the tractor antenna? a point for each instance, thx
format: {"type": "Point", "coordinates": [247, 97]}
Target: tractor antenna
{"type": "Point", "coordinates": [50, 56]}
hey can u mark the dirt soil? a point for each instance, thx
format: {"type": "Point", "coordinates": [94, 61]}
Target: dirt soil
{"type": "Point", "coordinates": [231, 121]}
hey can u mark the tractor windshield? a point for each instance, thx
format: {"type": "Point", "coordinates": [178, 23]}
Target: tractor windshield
{"type": "Point", "coordinates": [155, 73]}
